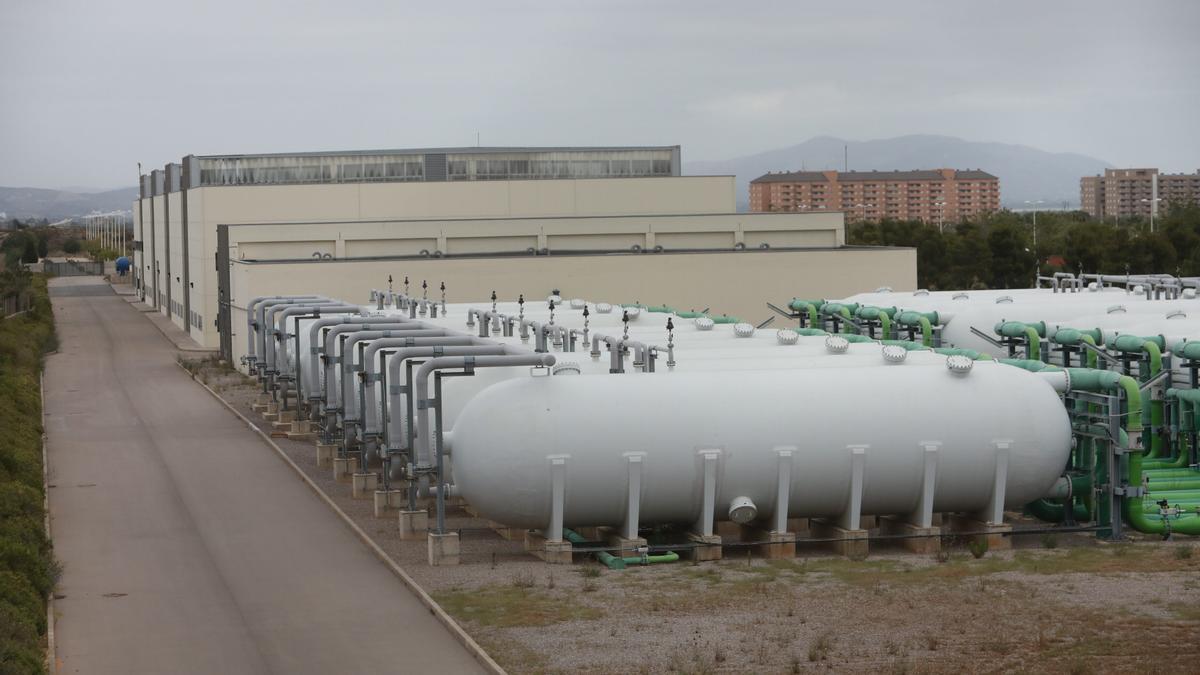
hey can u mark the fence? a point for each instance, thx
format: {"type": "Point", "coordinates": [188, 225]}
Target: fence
{"type": "Point", "coordinates": [12, 304]}
{"type": "Point", "coordinates": [74, 268]}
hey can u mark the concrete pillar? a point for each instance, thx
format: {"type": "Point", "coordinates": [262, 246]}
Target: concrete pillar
{"type": "Point", "coordinates": [413, 524]}
{"type": "Point", "coordinates": [443, 548]}
{"type": "Point", "coordinates": [633, 494]}
{"type": "Point", "coordinates": [325, 454]}
{"type": "Point", "coordinates": [344, 468]}
{"type": "Point", "coordinates": [388, 502]}
{"type": "Point", "coordinates": [558, 480]}
{"type": "Point", "coordinates": [363, 485]}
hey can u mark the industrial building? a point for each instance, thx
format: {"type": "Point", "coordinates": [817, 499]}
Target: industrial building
{"type": "Point", "coordinates": [1129, 193]}
{"type": "Point", "coordinates": [347, 220]}
{"type": "Point", "coordinates": [935, 196]}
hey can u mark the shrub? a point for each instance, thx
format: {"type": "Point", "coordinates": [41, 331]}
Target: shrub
{"type": "Point", "coordinates": [71, 246]}
{"type": "Point", "coordinates": [978, 546]}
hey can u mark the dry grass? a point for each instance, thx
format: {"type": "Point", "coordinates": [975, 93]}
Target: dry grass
{"type": "Point", "coordinates": [511, 606]}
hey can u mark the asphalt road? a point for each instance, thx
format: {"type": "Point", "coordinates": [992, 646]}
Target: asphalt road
{"type": "Point", "coordinates": [187, 545]}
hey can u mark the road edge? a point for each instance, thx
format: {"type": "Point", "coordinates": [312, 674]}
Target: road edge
{"type": "Point", "coordinates": [456, 630]}
{"type": "Point", "coordinates": [51, 647]}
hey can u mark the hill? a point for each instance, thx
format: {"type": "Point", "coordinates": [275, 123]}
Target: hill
{"type": "Point", "coordinates": [23, 203]}
{"type": "Point", "coordinates": [1026, 174]}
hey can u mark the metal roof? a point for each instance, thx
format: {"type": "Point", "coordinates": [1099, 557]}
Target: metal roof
{"type": "Point", "coordinates": [477, 150]}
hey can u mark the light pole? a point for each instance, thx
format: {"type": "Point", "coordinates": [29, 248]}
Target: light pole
{"type": "Point", "coordinates": [1035, 212]}
{"type": "Point", "coordinates": [1153, 207]}
{"type": "Point", "coordinates": [941, 207]}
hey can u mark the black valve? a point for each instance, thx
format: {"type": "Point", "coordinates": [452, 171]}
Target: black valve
{"type": "Point", "coordinates": [585, 311]}
{"type": "Point", "coordinates": [670, 325]}
{"type": "Point", "coordinates": [521, 299]}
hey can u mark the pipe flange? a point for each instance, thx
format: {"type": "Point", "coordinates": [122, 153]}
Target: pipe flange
{"type": "Point", "coordinates": [704, 323]}
{"type": "Point", "coordinates": [787, 336]}
{"type": "Point", "coordinates": [836, 344]}
{"type": "Point", "coordinates": [743, 330]}
{"type": "Point", "coordinates": [742, 510]}
{"type": "Point", "coordinates": [578, 303]}
{"type": "Point", "coordinates": [633, 313]}
{"type": "Point", "coordinates": [556, 299]}
{"type": "Point", "coordinates": [894, 354]}
{"type": "Point", "coordinates": [959, 364]}
{"type": "Point", "coordinates": [603, 308]}
{"type": "Point", "coordinates": [1093, 287]}
{"type": "Point", "coordinates": [1067, 374]}
{"type": "Point", "coordinates": [566, 368]}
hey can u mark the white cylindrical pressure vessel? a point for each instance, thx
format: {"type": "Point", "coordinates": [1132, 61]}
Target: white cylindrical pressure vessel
{"type": "Point", "coordinates": [508, 435]}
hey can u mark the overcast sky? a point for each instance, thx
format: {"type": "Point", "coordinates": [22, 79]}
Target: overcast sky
{"type": "Point", "coordinates": [90, 88]}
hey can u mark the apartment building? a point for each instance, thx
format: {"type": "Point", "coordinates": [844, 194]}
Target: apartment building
{"type": "Point", "coordinates": [934, 196]}
{"type": "Point", "coordinates": [1128, 193]}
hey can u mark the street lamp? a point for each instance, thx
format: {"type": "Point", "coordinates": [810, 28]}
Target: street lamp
{"type": "Point", "coordinates": [1153, 207]}
{"type": "Point", "coordinates": [941, 207]}
{"type": "Point", "coordinates": [1035, 212]}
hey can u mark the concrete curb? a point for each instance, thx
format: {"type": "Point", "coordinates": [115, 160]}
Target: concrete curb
{"type": "Point", "coordinates": [455, 629]}
{"type": "Point", "coordinates": [51, 651]}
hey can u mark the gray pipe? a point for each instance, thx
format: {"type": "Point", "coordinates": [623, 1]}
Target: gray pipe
{"type": "Point", "coordinates": [423, 403]}
{"type": "Point", "coordinates": [330, 355]}
{"type": "Point", "coordinates": [374, 369]}
{"type": "Point", "coordinates": [252, 325]}
{"type": "Point", "coordinates": [264, 325]}
{"type": "Point", "coordinates": [316, 345]}
{"type": "Point", "coordinates": [279, 321]}
{"type": "Point", "coordinates": [349, 401]}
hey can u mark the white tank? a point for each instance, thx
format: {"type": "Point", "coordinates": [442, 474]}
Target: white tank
{"type": "Point", "coordinates": [501, 441]}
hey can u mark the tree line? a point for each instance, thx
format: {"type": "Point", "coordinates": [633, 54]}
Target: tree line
{"type": "Point", "coordinates": [1000, 250]}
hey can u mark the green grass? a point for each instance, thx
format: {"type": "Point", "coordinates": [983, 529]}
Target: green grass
{"type": "Point", "coordinates": [27, 568]}
{"type": "Point", "coordinates": [512, 606]}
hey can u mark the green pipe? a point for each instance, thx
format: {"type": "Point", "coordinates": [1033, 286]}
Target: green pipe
{"type": "Point", "coordinates": [1073, 336]}
{"type": "Point", "coordinates": [881, 314]}
{"type": "Point", "coordinates": [907, 344]}
{"type": "Point", "coordinates": [810, 308]}
{"type": "Point", "coordinates": [618, 563]}
{"type": "Point", "coordinates": [689, 314]}
{"type": "Point", "coordinates": [1055, 511]}
{"type": "Point", "coordinates": [725, 319]}
{"type": "Point", "coordinates": [1032, 365]}
{"type": "Point", "coordinates": [840, 310]}
{"type": "Point", "coordinates": [1032, 332]}
{"type": "Point", "coordinates": [1187, 350]}
{"type": "Point", "coordinates": [962, 351]}
{"type": "Point", "coordinates": [810, 331]}
{"type": "Point", "coordinates": [1153, 523]}
{"type": "Point", "coordinates": [923, 319]}
{"type": "Point", "coordinates": [1088, 379]}
{"type": "Point", "coordinates": [854, 337]}
{"type": "Point", "coordinates": [660, 309]}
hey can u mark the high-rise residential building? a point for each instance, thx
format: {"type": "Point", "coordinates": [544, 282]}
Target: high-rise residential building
{"type": "Point", "coordinates": [933, 196]}
{"type": "Point", "coordinates": [1126, 193]}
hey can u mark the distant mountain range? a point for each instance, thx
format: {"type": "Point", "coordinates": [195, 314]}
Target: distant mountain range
{"type": "Point", "coordinates": [58, 204]}
{"type": "Point", "coordinates": [1026, 174]}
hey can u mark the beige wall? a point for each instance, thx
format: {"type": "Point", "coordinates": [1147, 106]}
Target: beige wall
{"type": "Point", "coordinates": [734, 283]}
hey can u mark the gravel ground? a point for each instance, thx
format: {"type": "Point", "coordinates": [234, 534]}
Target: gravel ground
{"type": "Point", "coordinates": [1081, 607]}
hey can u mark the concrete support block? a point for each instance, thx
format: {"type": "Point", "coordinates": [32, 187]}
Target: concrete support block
{"type": "Point", "coordinates": [325, 454]}
{"type": "Point", "coordinates": [413, 524]}
{"type": "Point", "coordinates": [362, 485]}
{"type": "Point", "coordinates": [916, 538]}
{"type": "Point", "coordinates": [707, 547]}
{"type": "Point", "coordinates": [443, 548]}
{"type": "Point", "coordinates": [850, 543]}
{"type": "Point", "coordinates": [388, 502]}
{"type": "Point", "coordinates": [508, 533]}
{"type": "Point", "coordinates": [554, 552]}
{"type": "Point", "coordinates": [779, 545]}
{"type": "Point", "coordinates": [301, 427]}
{"type": "Point", "coordinates": [998, 535]}
{"type": "Point", "coordinates": [344, 468]}
{"type": "Point", "coordinates": [622, 546]}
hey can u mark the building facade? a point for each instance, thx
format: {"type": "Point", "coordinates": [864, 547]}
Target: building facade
{"type": "Point", "coordinates": [1130, 193]}
{"type": "Point", "coordinates": [346, 212]}
{"type": "Point", "coordinates": [934, 196]}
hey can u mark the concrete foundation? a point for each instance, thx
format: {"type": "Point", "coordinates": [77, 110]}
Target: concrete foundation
{"type": "Point", "coordinates": [622, 546]}
{"type": "Point", "coordinates": [707, 547]}
{"type": "Point", "coordinates": [344, 468]}
{"type": "Point", "coordinates": [998, 536]}
{"type": "Point", "coordinates": [413, 524]}
{"type": "Point", "coordinates": [850, 543]}
{"type": "Point", "coordinates": [915, 538]}
{"type": "Point", "coordinates": [325, 454]}
{"type": "Point", "coordinates": [555, 552]}
{"type": "Point", "coordinates": [779, 545]}
{"type": "Point", "coordinates": [443, 548]}
{"type": "Point", "coordinates": [505, 532]}
{"type": "Point", "coordinates": [388, 502]}
{"type": "Point", "coordinates": [362, 485]}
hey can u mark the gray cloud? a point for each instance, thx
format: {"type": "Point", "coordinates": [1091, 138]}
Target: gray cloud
{"type": "Point", "coordinates": [92, 88]}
